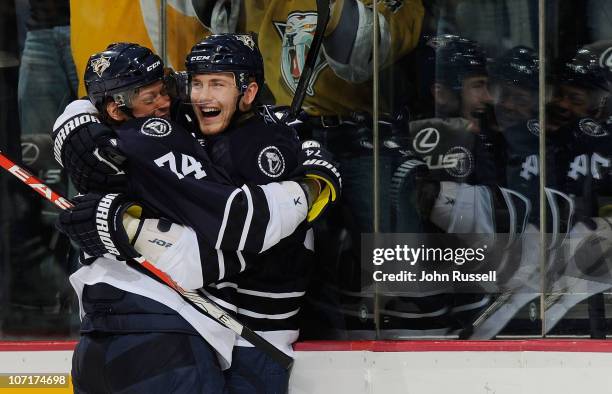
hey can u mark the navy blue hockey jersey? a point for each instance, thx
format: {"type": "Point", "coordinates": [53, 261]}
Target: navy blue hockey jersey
{"type": "Point", "coordinates": [270, 293]}
{"type": "Point", "coordinates": [591, 151]}
{"type": "Point", "coordinates": [172, 174]}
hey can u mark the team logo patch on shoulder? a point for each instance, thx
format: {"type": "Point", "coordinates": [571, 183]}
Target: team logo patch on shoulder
{"type": "Point", "coordinates": [156, 127]}
{"type": "Point", "coordinates": [271, 161]}
{"type": "Point", "coordinates": [591, 128]}
{"type": "Point", "coordinates": [534, 127]}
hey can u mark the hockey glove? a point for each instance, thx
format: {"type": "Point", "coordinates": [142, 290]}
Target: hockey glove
{"type": "Point", "coordinates": [590, 246]}
{"type": "Point", "coordinates": [108, 225]}
{"type": "Point", "coordinates": [87, 149]}
{"type": "Point", "coordinates": [96, 225]}
{"type": "Point", "coordinates": [282, 115]}
{"type": "Point", "coordinates": [412, 190]}
{"type": "Point", "coordinates": [316, 163]}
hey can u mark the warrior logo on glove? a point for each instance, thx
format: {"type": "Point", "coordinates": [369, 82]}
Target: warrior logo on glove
{"type": "Point", "coordinates": [320, 162]}
{"type": "Point", "coordinates": [60, 134]}
{"type": "Point", "coordinates": [102, 223]}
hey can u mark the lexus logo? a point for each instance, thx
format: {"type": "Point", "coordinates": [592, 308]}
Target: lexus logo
{"type": "Point", "coordinates": [29, 153]}
{"type": "Point", "coordinates": [426, 140]}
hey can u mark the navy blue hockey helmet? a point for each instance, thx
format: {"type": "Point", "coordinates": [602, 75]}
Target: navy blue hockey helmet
{"type": "Point", "coordinates": [452, 59]}
{"type": "Point", "coordinates": [518, 66]}
{"type": "Point", "coordinates": [235, 53]}
{"type": "Point", "coordinates": [585, 71]}
{"type": "Point", "coordinates": [119, 70]}
{"type": "Point", "coordinates": [603, 50]}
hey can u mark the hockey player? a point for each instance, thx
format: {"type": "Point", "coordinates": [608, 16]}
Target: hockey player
{"type": "Point", "coordinates": [581, 91]}
{"type": "Point", "coordinates": [515, 81]}
{"type": "Point", "coordinates": [579, 116]}
{"type": "Point", "coordinates": [252, 150]}
{"type": "Point", "coordinates": [455, 84]}
{"type": "Point", "coordinates": [571, 145]}
{"type": "Point", "coordinates": [230, 219]}
{"type": "Point", "coordinates": [454, 79]}
{"type": "Point", "coordinates": [341, 85]}
{"type": "Point", "coordinates": [453, 179]}
{"type": "Point", "coordinates": [515, 76]}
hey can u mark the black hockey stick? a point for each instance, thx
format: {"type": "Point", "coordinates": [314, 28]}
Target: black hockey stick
{"type": "Point", "coordinates": [323, 12]}
{"type": "Point", "coordinates": [192, 297]}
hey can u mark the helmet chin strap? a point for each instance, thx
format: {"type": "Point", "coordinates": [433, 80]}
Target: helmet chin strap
{"type": "Point", "coordinates": [237, 113]}
{"type": "Point", "coordinates": [242, 84]}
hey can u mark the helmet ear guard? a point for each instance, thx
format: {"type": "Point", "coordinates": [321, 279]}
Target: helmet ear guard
{"type": "Point", "coordinates": [124, 99]}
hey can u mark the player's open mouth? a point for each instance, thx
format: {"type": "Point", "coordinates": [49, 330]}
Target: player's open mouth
{"type": "Point", "coordinates": [210, 112]}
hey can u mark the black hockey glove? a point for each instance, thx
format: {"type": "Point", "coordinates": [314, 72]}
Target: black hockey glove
{"type": "Point", "coordinates": [411, 186]}
{"type": "Point", "coordinates": [96, 225]}
{"type": "Point", "coordinates": [318, 164]}
{"type": "Point", "coordinates": [87, 149]}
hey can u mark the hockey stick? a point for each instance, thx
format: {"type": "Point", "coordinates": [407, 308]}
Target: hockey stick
{"type": "Point", "coordinates": [194, 298]}
{"type": "Point", "coordinates": [311, 58]}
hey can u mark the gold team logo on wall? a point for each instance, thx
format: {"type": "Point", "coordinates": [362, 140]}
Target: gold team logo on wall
{"type": "Point", "coordinates": [297, 34]}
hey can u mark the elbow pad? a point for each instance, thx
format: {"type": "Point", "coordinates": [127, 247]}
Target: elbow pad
{"type": "Point", "coordinates": [288, 208]}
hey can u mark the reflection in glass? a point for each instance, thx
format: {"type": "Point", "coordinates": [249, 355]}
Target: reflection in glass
{"type": "Point", "coordinates": [471, 99]}
{"type": "Point", "coordinates": [577, 124]}
{"type": "Point", "coordinates": [39, 302]}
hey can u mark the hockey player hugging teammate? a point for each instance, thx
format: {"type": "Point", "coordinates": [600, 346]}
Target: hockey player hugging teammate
{"type": "Point", "coordinates": [162, 166]}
